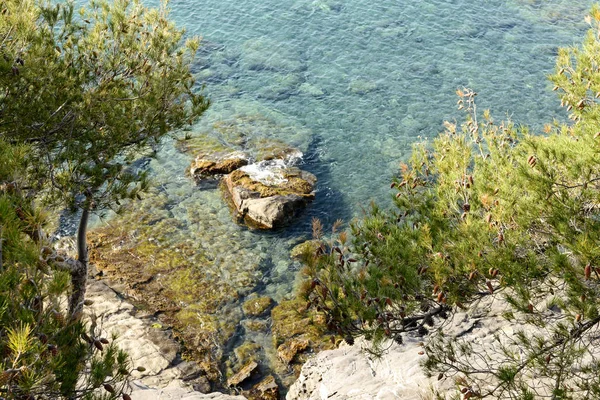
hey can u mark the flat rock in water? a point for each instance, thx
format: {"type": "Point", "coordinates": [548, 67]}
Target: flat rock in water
{"type": "Point", "coordinates": [242, 374]}
{"type": "Point", "coordinates": [267, 389]}
{"type": "Point", "coordinates": [219, 163]}
{"type": "Point", "coordinates": [287, 351]}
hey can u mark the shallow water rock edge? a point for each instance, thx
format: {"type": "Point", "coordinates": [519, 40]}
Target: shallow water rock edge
{"type": "Point", "coordinates": [260, 180]}
{"type": "Point", "coordinates": [266, 205]}
{"type": "Point", "coordinates": [166, 376]}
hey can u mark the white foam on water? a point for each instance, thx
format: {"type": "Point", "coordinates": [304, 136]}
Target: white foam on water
{"type": "Point", "coordinates": [270, 172]}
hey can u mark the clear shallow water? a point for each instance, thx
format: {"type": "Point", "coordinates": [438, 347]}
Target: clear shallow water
{"type": "Point", "coordinates": [357, 81]}
{"type": "Point", "coordinates": [388, 71]}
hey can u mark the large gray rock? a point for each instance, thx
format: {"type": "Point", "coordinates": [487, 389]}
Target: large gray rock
{"type": "Point", "coordinates": [351, 373]}
{"type": "Point", "coordinates": [273, 211]}
{"type": "Point", "coordinates": [175, 391]}
{"type": "Point", "coordinates": [348, 372]}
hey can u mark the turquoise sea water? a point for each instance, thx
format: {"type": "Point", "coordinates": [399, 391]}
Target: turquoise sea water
{"type": "Point", "coordinates": [353, 83]}
{"type": "Point", "coordinates": [368, 78]}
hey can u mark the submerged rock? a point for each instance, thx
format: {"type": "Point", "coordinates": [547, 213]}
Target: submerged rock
{"type": "Point", "coordinates": [245, 353]}
{"type": "Point", "coordinates": [305, 248]}
{"type": "Point", "coordinates": [267, 389]}
{"type": "Point", "coordinates": [263, 53]}
{"type": "Point", "coordinates": [311, 90]}
{"type": "Point", "coordinates": [242, 374]}
{"type": "Point", "coordinates": [268, 195]}
{"type": "Point", "coordinates": [248, 126]}
{"type": "Point", "coordinates": [256, 325]}
{"type": "Point", "coordinates": [257, 306]}
{"type": "Point", "coordinates": [362, 86]}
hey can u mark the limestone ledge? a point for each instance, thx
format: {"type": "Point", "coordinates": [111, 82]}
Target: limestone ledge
{"type": "Point", "coordinates": [348, 372]}
{"type": "Point", "coordinates": [166, 377]}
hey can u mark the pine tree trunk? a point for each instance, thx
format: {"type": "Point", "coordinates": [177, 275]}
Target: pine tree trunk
{"type": "Point", "coordinates": [79, 275]}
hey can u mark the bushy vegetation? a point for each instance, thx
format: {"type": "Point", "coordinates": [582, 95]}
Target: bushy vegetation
{"type": "Point", "coordinates": [488, 209]}
{"type": "Point", "coordinates": [82, 96]}
{"type": "Point", "coordinates": [89, 93]}
{"type": "Point", "coordinates": [44, 354]}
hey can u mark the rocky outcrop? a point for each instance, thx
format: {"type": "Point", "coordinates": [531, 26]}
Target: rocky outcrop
{"type": "Point", "coordinates": [266, 389]}
{"type": "Point", "coordinates": [256, 152]}
{"type": "Point", "coordinates": [350, 372]}
{"type": "Point", "coordinates": [243, 374]}
{"type": "Point", "coordinates": [165, 375]}
{"type": "Point", "coordinates": [288, 350]}
{"type": "Point", "coordinates": [268, 195]}
{"type": "Point", "coordinates": [175, 392]}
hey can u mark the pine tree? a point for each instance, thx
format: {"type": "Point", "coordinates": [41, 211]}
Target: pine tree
{"type": "Point", "coordinates": [90, 92]}
{"type": "Point", "coordinates": [43, 353]}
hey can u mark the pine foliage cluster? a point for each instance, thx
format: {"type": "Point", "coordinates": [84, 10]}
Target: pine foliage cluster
{"type": "Point", "coordinates": [44, 354]}
{"type": "Point", "coordinates": [83, 95]}
{"type": "Point", "coordinates": [486, 210]}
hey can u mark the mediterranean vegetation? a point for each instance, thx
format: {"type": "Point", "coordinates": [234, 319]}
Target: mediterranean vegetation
{"type": "Point", "coordinates": [83, 94]}
{"type": "Point", "coordinates": [487, 213]}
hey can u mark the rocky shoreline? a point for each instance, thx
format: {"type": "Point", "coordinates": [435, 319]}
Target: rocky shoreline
{"type": "Point", "coordinates": [347, 372]}
{"type": "Point", "coordinates": [140, 334]}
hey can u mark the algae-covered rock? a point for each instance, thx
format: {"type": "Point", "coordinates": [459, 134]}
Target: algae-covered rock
{"type": "Point", "coordinates": [305, 248]}
{"type": "Point", "coordinates": [242, 374]}
{"type": "Point", "coordinates": [246, 353]}
{"type": "Point", "coordinates": [293, 326]}
{"type": "Point", "coordinates": [257, 306]}
{"type": "Point", "coordinates": [267, 389]}
{"type": "Point", "coordinates": [292, 319]}
{"type": "Point", "coordinates": [192, 284]}
{"type": "Point", "coordinates": [255, 325]}
{"type": "Point", "coordinates": [272, 149]}
{"type": "Point", "coordinates": [219, 163]}
{"type": "Point", "coordinates": [288, 350]}
{"type": "Point", "coordinates": [269, 196]}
